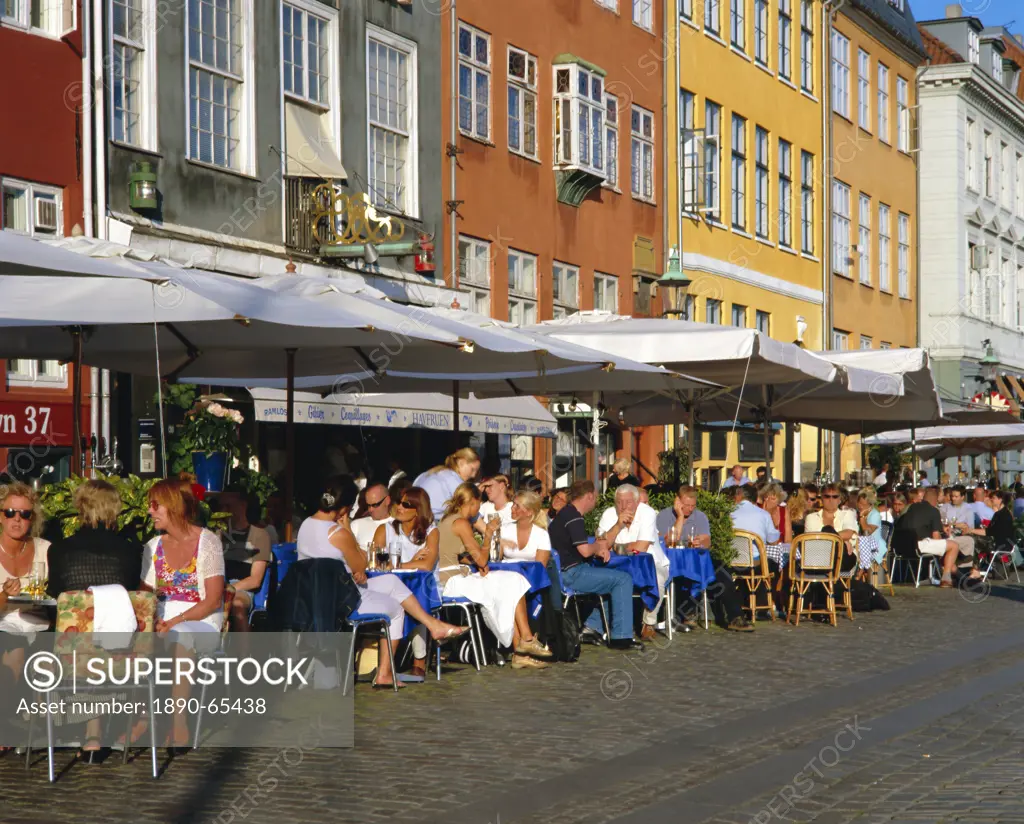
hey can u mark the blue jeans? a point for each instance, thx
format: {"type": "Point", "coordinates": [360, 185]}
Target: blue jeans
{"type": "Point", "coordinates": [587, 579]}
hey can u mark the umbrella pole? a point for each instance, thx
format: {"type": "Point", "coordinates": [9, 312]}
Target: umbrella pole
{"type": "Point", "coordinates": [765, 394]}
{"type": "Point", "coordinates": [995, 468]}
{"type": "Point", "coordinates": [595, 437]}
{"type": "Point", "coordinates": [455, 416]}
{"type": "Point", "coordinates": [691, 435]}
{"type": "Point", "coordinates": [76, 414]}
{"type": "Point", "coordinates": [913, 454]}
{"type": "Point", "coordinates": [289, 445]}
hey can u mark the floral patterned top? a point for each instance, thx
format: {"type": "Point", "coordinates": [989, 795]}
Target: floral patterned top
{"type": "Point", "coordinates": [175, 584]}
{"type": "Point", "coordinates": [183, 587]}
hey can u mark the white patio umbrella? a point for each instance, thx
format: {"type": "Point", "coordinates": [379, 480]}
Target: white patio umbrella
{"type": "Point", "coordinates": [956, 441]}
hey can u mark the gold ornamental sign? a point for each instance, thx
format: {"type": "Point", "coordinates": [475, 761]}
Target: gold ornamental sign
{"type": "Point", "coordinates": [351, 219]}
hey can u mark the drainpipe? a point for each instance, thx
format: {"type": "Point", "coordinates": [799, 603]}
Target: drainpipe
{"type": "Point", "coordinates": [828, 11]}
{"type": "Point", "coordinates": [100, 119]}
{"type": "Point", "coordinates": [86, 124]}
{"type": "Point", "coordinates": [94, 409]}
{"type": "Point", "coordinates": [453, 158]}
{"type": "Point", "coordinates": [917, 217]}
{"type": "Point", "coordinates": [105, 411]}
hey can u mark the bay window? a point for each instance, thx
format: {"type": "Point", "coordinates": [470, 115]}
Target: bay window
{"type": "Point", "coordinates": [579, 116]}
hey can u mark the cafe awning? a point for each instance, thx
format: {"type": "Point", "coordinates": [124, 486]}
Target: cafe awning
{"type": "Point", "coordinates": [310, 150]}
{"type": "Point", "coordinates": [504, 416]}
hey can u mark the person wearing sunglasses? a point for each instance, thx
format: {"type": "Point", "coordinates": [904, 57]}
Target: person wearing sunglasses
{"type": "Point", "coordinates": [374, 512]}
{"type": "Point", "coordinates": [831, 518]}
{"type": "Point", "coordinates": [22, 555]}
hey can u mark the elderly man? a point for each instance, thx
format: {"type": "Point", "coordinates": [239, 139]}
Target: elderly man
{"type": "Point", "coordinates": [378, 511]}
{"type": "Point", "coordinates": [737, 477]}
{"type": "Point", "coordinates": [832, 518]}
{"type": "Point", "coordinates": [749, 517]}
{"type": "Point", "coordinates": [630, 526]}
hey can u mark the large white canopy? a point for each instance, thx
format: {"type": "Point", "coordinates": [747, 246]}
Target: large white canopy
{"type": "Point", "coordinates": [952, 441]}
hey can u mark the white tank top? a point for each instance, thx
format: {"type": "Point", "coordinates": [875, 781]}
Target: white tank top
{"type": "Point", "coordinates": [314, 540]}
{"type": "Point", "coordinates": [400, 544]}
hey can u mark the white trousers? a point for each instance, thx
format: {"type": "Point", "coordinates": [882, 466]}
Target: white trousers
{"type": "Point", "coordinates": [498, 592]}
{"type": "Point", "coordinates": [383, 594]}
{"type": "Point", "coordinates": [661, 569]}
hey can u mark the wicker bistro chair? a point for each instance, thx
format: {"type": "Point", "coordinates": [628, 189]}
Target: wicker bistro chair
{"type": "Point", "coordinates": [844, 578]}
{"type": "Point", "coordinates": [753, 573]}
{"type": "Point", "coordinates": [885, 566]}
{"type": "Point", "coordinates": [819, 564]}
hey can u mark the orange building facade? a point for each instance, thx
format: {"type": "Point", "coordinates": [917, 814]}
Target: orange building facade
{"type": "Point", "coordinates": [557, 143]}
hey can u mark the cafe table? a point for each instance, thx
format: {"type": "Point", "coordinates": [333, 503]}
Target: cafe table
{"type": "Point", "coordinates": [421, 584]}
{"type": "Point", "coordinates": [695, 566]}
{"type": "Point", "coordinates": [532, 571]}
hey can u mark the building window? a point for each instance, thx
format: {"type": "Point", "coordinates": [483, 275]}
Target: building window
{"type": "Point", "coordinates": [885, 345]}
{"type": "Point", "coordinates": [565, 289]}
{"type": "Point", "coordinates": [864, 89]}
{"type": "Point", "coordinates": [840, 228]}
{"type": "Point", "coordinates": [884, 252]}
{"type": "Point", "coordinates": [712, 158]}
{"type": "Point", "coordinates": [840, 74]}
{"type": "Point", "coordinates": [739, 316]}
{"type": "Point", "coordinates": [866, 342]}
{"type": "Point", "coordinates": [807, 202]}
{"type": "Point", "coordinates": [643, 14]}
{"type": "Point", "coordinates": [691, 152]}
{"type": "Point", "coordinates": [611, 140]}
{"type": "Point", "coordinates": [522, 287]}
{"type": "Point", "coordinates": [903, 254]}
{"type": "Point", "coordinates": [807, 46]}
{"type": "Point", "coordinates": [474, 82]}
{"type": "Point", "coordinates": [391, 83]}
{"type": "Point", "coordinates": [1019, 167]}
{"type": "Point", "coordinates": [785, 194]}
{"type": "Point", "coordinates": [997, 67]}
{"type": "Point", "coordinates": [1005, 173]}
{"type": "Point", "coordinates": [785, 33]}
{"type": "Point", "coordinates": [686, 9]}
{"type": "Point", "coordinates": [973, 46]}
{"type": "Point", "coordinates": [132, 74]}
{"type": "Point", "coordinates": [642, 153]}
{"type": "Point", "coordinates": [712, 16]}
{"type": "Point", "coordinates": [761, 31]}
{"type": "Point", "coordinates": [840, 341]}
{"type": "Point", "coordinates": [522, 102]}
{"type": "Point", "coordinates": [864, 240]}
{"type": "Point", "coordinates": [739, 172]}
{"type": "Point", "coordinates": [609, 4]}
{"type": "Point", "coordinates": [902, 115]}
{"type": "Point", "coordinates": [51, 17]}
{"type": "Point", "coordinates": [305, 49]}
{"type": "Point", "coordinates": [606, 292]}
{"type": "Point", "coordinates": [579, 119]}
{"type": "Point", "coordinates": [712, 310]}
{"type": "Point", "coordinates": [22, 372]}
{"type": "Point", "coordinates": [990, 166]}
{"type": "Point", "coordinates": [738, 23]}
{"type": "Point", "coordinates": [475, 273]}
{"type": "Point", "coordinates": [30, 208]}
{"type": "Point", "coordinates": [762, 172]}
{"type": "Point", "coordinates": [218, 53]}
{"type": "Point", "coordinates": [971, 150]}
{"type": "Point", "coordinates": [763, 322]}
{"type": "Point", "coordinates": [883, 103]}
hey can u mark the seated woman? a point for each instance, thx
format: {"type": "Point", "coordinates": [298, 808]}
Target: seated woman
{"type": "Point", "coordinates": [328, 534]}
{"type": "Point", "coordinates": [870, 521]}
{"type": "Point", "coordinates": [247, 553]}
{"type": "Point", "coordinates": [526, 538]}
{"type": "Point", "coordinates": [773, 501]}
{"type": "Point", "coordinates": [1000, 534]}
{"type": "Point", "coordinates": [184, 566]}
{"type": "Point", "coordinates": [499, 592]}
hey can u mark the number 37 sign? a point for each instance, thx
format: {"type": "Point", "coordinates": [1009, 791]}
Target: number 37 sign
{"type": "Point", "coordinates": [30, 424]}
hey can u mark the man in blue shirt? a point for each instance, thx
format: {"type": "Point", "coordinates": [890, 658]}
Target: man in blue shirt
{"type": "Point", "coordinates": [737, 477]}
{"type": "Point", "coordinates": [749, 517]}
{"type": "Point", "coordinates": [982, 511]}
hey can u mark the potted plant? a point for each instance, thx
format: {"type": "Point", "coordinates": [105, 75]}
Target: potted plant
{"type": "Point", "coordinates": [209, 435]}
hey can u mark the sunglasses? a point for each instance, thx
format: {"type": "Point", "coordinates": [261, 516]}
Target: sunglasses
{"type": "Point", "coordinates": [378, 503]}
{"type": "Point", "coordinates": [406, 505]}
{"type": "Point", "coordinates": [830, 497]}
{"type": "Point", "coordinates": [26, 514]}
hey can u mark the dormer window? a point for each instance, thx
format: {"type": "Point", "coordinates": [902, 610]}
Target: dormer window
{"type": "Point", "coordinates": [897, 4]}
{"type": "Point", "coordinates": [973, 46]}
{"type": "Point", "coordinates": [997, 67]}
{"type": "Point", "coordinates": [579, 119]}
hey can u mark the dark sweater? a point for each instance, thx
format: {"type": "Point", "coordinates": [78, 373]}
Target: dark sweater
{"type": "Point", "coordinates": [1000, 529]}
{"type": "Point", "coordinates": [93, 557]}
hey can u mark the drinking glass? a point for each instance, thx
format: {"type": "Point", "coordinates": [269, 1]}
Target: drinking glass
{"type": "Point", "coordinates": [38, 580]}
{"type": "Point", "coordinates": [382, 557]}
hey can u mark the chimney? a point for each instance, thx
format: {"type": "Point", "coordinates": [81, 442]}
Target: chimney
{"type": "Point", "coordinates": [1019, 38]}
{"type": "Point", "coordinates": [954, 10]}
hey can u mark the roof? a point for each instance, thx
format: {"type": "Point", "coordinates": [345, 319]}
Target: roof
{"type": "Point", "coordinates": [939, 54]}
{"type": "Point", "coordinates": [1015, 52]}
{"type": "Point", "coordinates": [901, 24]}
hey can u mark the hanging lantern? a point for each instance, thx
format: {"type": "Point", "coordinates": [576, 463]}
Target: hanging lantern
{"type": "Point", "coordinates": [425, 257]}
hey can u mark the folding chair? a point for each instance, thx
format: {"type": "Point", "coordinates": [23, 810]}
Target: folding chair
{"type": "Point", "coordinates": [569, 594]}
{"type": "Point", "coordinates": [474, 620]}
{"type": "Point", "coordinates": [819, 564]}
{"type": "Point", "coordinates": [1004, 556]}
{"type": "Point", "coordinates": [844, 578]}
{"type": "Point", "coordinates": [358, 623]}
{"type": "Point", "coordinates": [753, 572]}
{"type": "Point", "coordinates": [883, 566]}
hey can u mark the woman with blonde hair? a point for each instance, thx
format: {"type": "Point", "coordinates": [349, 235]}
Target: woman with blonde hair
{"type": "Point", "coordinates": [500, 593]}
{"type": "Point", "coordinates": [621, 474]}
{"type": "Point", "coordinates": [526, 537]}
{"type": "Point", "coordinates": [23, 555]}
{"type": "Point", "coordinates": [441, 481]}
{"type": "Point", "coordinates": [870, 522]}
{"type": "Point", "coordinates": [498, 504]}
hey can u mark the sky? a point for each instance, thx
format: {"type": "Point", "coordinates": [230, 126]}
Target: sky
{"type": "Point", "coordinates": [990, 12]}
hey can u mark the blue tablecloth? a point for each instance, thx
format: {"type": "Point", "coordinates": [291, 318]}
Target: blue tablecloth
{"type": "Point", "coordinates": [645, 579]}
{"type": "Point", "coordinates": [423, 585]}
{"type": "Point", "coordinates": [695, 565]}
{"type": "Point", "coordinates": [535, 573]}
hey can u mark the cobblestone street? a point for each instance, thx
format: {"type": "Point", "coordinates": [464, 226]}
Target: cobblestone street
{"type": "Point", "coordinates": [910, 715]}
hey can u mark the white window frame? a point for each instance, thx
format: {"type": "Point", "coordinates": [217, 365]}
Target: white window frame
{"type": "Point", "coordinates": [882, 109]}
{"type": "Point", "coordinates": [840, 341]}
{"type": "Point", "coordinates": [33, 191]}
{"type": "Point", "coordinates": [807, 228]}
{"type": "Point", "coordinates": [902, 115]}
{"type": "Point", "coordinates": [1005, 172]}
{"type": "Point", "coordinates": [612, 5]}
{"type": "Point", "coordinates": [712, 310]}
{"type": "Point", "coordinates": [476, 69]}
{"type": "Point", "coordinates": [523, 305]}
{"type": "Point", "coordinates": [738, 312]}
{"type": "Point", "coordinates": [971, 150]}
{"type": "Point", "coordinates": [145, 49]}
{"type": "Point", "coordinates": [643, 14]}
{"type": "Point", "coordinates": [841, 225]}
{"type": "Point", "coordinates": [686, 10]}
{"type": "Point", "coordinates": [761, 32]}
{"type": "Point", "coordinates": [864, 239]}
{"type": "Point", "coordinates": [246, 154]}
{"type": "Point", "coordinates": [329, 18]}
{"type": "Point", "coordinates": [885, 345]}
{"type": "Point", "coordinates": [840, 74]}
{"type": "Point", "coordinates": [807, 46]}
{"type": "Point", "coordinates": [522, 90]}
{"type": "Point", "coordinates": [611, 142]}
{"type": "Point", "coordinates": [784, 32]}
{"type": "Point", "coordinates": [641, 153]}
{"type": "Point", "coordinates": [690, 148]}
{"type": "Point", "coordinates": [990, 166]}
{"type": "Point", "coordinates": [713, 17]}
{"type": "Point", "coordinates": [64, 21]}
{"type": "Point", "coordinates": [712, 159]}
{"type": "Point", "coordinates": [903, 254]}
{"type": "Point", "coordinates": [762, 182]}
{"type": "Point", "coordinates": [785, 194]}
{"type": "Point", "coordinates": [411, 204]}
{"type": "Point", "coordinates": [471, 279]}
{"type": "Point", "coordinates": [565, 289]}
{"type": "Point", "coordinates": [763, 322]}
{"type": "Point", "coordinates": [973, 46]}
{"type": "Point", "coordinates": [997, 66]}
{"type": "Point", "coordinates": [884, 247]}
{"type": "Point", "coordinates": [574, 104]}
{"type": "Point", "coordinates": [1019, 188]}
{"type": "Point", "coordinates": [606, 293]}
{"type": "Point", "coordinates": [32, 375]}
{"type": "Point", "coordinates": [864, 90]}
{"type": "Point", "coordinates": [738, 171]}
{"type": "Point", "coordinates": [738, 24]}
{"type": "Point", "coordinates": [866, 342]}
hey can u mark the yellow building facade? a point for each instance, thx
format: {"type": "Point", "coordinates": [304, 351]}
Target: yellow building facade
{"type": "Point", "coordinates": [746, 189]}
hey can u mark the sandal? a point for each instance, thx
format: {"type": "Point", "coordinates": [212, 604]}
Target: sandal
{"type": "Point", "coordinates": [139, 730]}
{"type": "Point", "coordinates": [452, 633]}
{"type": "Point", "coordinates": [92, 744]}
{"type": "Point", "coordinates": [390, 686]}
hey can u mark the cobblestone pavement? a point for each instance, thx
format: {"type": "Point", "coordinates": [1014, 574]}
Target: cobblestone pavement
{"type": "Point", "coordinates": [909, 715]}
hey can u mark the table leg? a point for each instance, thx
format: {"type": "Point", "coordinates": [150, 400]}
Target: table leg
{"type": "Point", "coordinates": [670, 607]}
{"type": "Point", "coordinates": [705, 609]}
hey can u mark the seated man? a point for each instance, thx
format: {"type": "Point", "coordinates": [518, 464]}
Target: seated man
{"type": "Point", "coordinates": [964, 542]}
{"type": "Point", "coordinates": [982, 511]}
{"type": "Point", "coordinates": [377, 511]}
{"type": "Point", "coordinates": [684, 519]}
{"type": "Point", "coordinates": [569, 539]}
{"type": "Point", "coordinates": [630, 526]}
{"type": "Point", "coordinates": [749, 517]}
{"type": "Point", "coordinates": [923, 522]}
{"type": "Point", "coordinates": [833, 518]}
{"type": "Point", "coordinates": [737, 477]}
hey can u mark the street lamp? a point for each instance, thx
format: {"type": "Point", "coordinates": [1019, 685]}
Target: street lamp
{"type": "Point", "coordinates": [989, 364]}
{"type": "Point", "coordinates": [142, 191]}
{"type": "Point", "coordinates": [676, 286]}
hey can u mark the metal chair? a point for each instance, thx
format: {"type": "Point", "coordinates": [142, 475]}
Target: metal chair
{"type": "Point", "coordinates": [358, 623]}
{"type": "Point", "coordinates": [1003, 556]}
{"type": "Point", "coordinates": [752, 571]}
{"type": "Point", "coordinates": [844, 578]}
{"type": "Point", "coordinates": [883, 566]}
{"type": "Point", "coordinates": [819, 564]}
{"type": "Point", "coordinates": [474, 620]}
{"type": "Point", "coordinates": [569, 594]}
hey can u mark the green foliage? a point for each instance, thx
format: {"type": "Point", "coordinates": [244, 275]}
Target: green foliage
{"type": "Point", "coordinates": [674, 465]}
{"type": "Point", "coordinates": [890, 454]}
{"type": "Point", "coordinates": [254, 483]}
{"type": "Point", "coordinates": [180, 395]}
{"type": "Point", "coordinates": [716, 507]}
{"type": "Point", "coordinates": [207, 427]}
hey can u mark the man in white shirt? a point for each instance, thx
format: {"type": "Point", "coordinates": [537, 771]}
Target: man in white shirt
{"type": "Point", "coordinates": [842, 521]}
{"type": "Point", "coordinates": [958, 510]}
{"type": "Point", "coordinates": [378, 511]}
{"type": "Point", "coordinates": [749, 517]}
{"type": "Point", "coordinates": [631, 527]}
{"type": "Point", "coordinates": [737, 477]}
{"type": "Point", "coordinates": [982, 511]}
{"type": "Point", "coordinates": [882, 478]}
{"type": "Point", "coordinates": [922, 479]}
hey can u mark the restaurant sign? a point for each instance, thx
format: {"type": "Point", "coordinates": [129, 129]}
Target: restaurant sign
{"type": "Point", "coordinates": [35, 424]}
